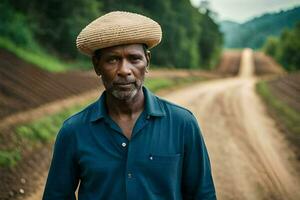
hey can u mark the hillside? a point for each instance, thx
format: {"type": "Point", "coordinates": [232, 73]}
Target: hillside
{"type": "Point", "coordinates": [253, 33]}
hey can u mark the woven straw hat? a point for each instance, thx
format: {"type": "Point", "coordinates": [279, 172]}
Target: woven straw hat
{"type": "Point", "coordinates": [117, 28]}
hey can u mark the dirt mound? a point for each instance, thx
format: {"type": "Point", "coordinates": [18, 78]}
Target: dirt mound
{"type": "Point", "coordinates": [265, 65]}
{"type": "Point", "coordinates": [230, 63]}
{"type": "Point", "coordinates": [23, 86]}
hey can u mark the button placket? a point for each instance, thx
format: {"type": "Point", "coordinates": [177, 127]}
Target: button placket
{"type": "Point", "coordinates": [129, 175]}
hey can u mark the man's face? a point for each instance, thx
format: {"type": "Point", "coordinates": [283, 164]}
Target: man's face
{"type": "Point", "coordinates": [122, 69]}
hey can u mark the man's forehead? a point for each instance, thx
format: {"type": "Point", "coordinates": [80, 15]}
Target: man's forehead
{"type": "Point", "coordinates": [120, 48]}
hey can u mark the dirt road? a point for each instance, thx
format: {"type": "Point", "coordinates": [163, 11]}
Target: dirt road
{"type": "Point", "coordinates": [250, 158]}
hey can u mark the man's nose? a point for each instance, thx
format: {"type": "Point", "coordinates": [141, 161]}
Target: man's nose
{"type": "Point", "coordinates": [124, 69]}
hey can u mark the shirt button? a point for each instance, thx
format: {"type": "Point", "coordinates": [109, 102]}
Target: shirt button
{"type": "Point", "coordinates": [151, 157]}
{"type": "Point", "coordinates": [129, 175]}
{"type": "Point", "coordinates": [123, 144]}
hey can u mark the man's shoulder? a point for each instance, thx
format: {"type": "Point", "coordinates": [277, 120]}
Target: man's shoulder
{"type": "Point", "coordinates": [81, 117]}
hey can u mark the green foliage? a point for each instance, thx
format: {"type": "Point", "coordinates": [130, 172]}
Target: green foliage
{"type": "Point", "coordinates": [187, 34]}
{"type": "Point", "coordinates": [9, 158]}
{"type": "Point", "coordinates": [254, 33]}
{"type": "Point", "coordinates": [38, 58]}
{"type": "Point", "coordinates": [287, 115]}
{"type": "Point", "coordinates": [156, 84]}
{"type": "Point", "coordinates": [45, 129]}
{"type": "Point", "coordinates": [286, 48]}
{"type": "Point", "coordinates": [190, 39]}
{"type": "Point", "coordinates": [270, 47]}
{"type": "Point", "coordinates": [15, 26]}
{"type": "Point", "coordinates": [56, 23]}
{"type": "Point", "coordinates": [210, 43]}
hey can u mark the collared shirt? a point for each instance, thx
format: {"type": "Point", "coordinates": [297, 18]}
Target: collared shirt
{"type": "Point", "coordinates": [165, 159]}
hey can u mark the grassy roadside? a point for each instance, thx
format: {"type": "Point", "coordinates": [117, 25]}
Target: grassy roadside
{"type": "Point", "coordinates": [283, 113]}
{"type": "Point", "coordinates": [36, 57]}
{"type": "Point", "coordinates": [40, 58]}
{"type": "Point", "coordinates": [44, 130]}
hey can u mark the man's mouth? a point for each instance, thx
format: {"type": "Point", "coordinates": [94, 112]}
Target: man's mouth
{"type": "Point", "coordinates": [124, 84]}
{"type": "Point", "coordinates": [127, 83]}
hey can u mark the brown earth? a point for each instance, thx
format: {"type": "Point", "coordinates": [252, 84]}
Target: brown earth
{"type": "Point", "coordinates": [230, 63]}
{"type": "Point", "coordinates": [287, 89]}
{"type": "Point", "coordinates": [23, 86]}
{"type": "Point", "coordinates": [265, 65]}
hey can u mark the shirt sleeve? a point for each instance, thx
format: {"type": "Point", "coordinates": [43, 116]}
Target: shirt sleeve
{"type": "Point", "coordinates": [197, 182]}
{"type": "Point", "coordinates": [63, 178]}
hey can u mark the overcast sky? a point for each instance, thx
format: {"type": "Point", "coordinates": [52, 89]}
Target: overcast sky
{"type": "Point", "coordinates": [243, 10]}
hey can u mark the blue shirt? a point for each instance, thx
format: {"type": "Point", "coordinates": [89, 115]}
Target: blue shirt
{"type": "Point", "coordinates": [165, 159]}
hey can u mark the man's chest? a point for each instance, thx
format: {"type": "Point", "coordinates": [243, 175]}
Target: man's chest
{"type": "Point", "coordinates": [155, 151]}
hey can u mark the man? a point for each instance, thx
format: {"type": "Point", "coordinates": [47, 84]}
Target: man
{"type": "Point", "coordinates": [129, 144]}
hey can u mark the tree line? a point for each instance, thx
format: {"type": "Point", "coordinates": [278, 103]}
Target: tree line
{"type": "Point", "coordinates": [191, 39]}
{"type": "Point", "coordinates": [255, 32]}
{"type": "Point", "coordinates": [285, 48]}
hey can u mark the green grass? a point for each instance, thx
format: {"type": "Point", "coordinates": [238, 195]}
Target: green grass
{"type": "Point", "coordinates": [287, 115]}
{"type": "Point", "coordinates": [45, 129]}
{"type": "Point", "coordinates": [35, 56]}
{"type": "Point", "coordinates": [156, 84]}
{"type": "Point", "coordinates": [9, 158]}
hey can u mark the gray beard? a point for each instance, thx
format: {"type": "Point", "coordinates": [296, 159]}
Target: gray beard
{"type": "Point", "coordinates": [125, 95]}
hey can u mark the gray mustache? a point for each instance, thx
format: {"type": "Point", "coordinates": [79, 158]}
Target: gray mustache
{"type": "Point", "coordinates": [123, 82]}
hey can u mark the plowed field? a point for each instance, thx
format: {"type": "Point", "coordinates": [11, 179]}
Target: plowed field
{"type": "Point", "coordinates": [287, 89]}
{"type": "Point", "coordinates": [24, 86]}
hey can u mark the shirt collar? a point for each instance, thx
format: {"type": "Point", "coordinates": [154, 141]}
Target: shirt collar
{"type": "Point", "coordinates": [153, 107]}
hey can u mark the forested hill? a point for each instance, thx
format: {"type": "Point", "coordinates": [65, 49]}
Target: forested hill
{"type": "Point", "coordinates": [254, 33]}
{"type": "Point", "coordinates": [190, 39]}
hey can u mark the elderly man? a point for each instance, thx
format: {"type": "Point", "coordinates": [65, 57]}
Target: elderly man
{"type": "Point", "coordinates": [129, 144]}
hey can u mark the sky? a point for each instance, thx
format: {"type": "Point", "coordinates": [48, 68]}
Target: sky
{"type": "Point", "coordinates": [243, 10]}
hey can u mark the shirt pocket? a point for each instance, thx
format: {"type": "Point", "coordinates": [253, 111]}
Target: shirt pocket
{"type": "Point", "coordinates": [161, 173]}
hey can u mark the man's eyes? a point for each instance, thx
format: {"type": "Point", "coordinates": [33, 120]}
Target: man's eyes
{"type": "Point", "coordinates": [135, 58]}
{"type": "Point", "coordinates": [113, 60]}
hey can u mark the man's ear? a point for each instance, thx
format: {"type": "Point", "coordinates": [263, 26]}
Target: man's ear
{"type": "Point", "coordinates": [96, 65]}
{"type": "Point", "coordinates": [148, 58]}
